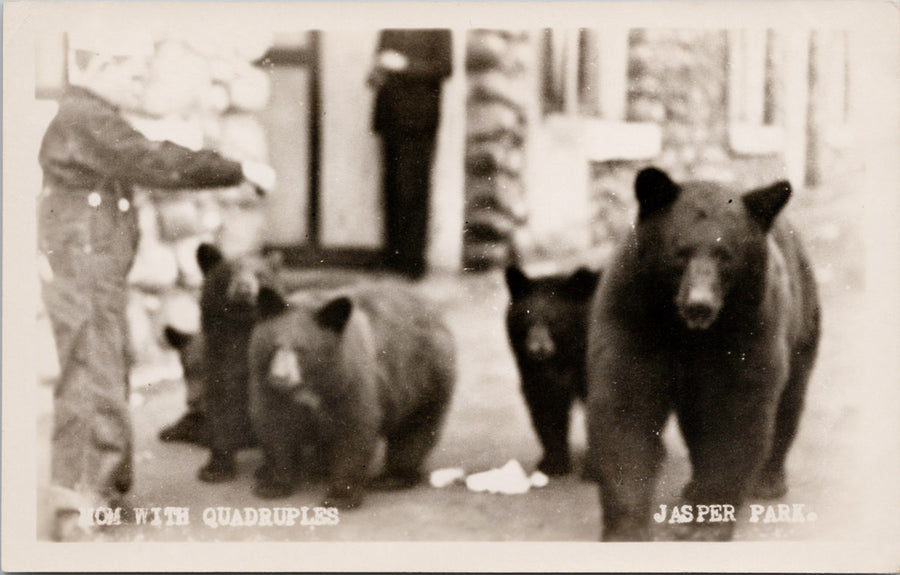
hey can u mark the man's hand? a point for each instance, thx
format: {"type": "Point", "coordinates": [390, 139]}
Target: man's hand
{"type": "Point", "coordinates": [392, 61]}
{"type": "Point", "coordinates": [260, 175]}
{"type": "Point", "coordinates": [387, 62]}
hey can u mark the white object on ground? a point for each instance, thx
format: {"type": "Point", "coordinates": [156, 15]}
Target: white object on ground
{"type": "Point", "coordinates": [538, 479]}
{"type": "Point", "coordinates": [443, 477]}
{"type": "Point", "coordinates": [509, 479]}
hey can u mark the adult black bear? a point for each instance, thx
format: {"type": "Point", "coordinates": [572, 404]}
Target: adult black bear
{"type": "Point", "coordinates": [340, 370]}
{"type": "Point", "coordinates": [708, 309]}
{"type": "Point", "coordinates": [546, 322]}
{"type": "Point", "coordinates": [228, 313]}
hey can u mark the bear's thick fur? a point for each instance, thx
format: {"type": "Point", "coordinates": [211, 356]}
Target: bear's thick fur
{"type": "Point", "coordinates": [708, 309]}
{"type": "Point", "coordinates": [546, 322]}
{"type": "Point", "coordinates": [228, 313]}
{"type": "Point", "coordinates": [340, 370]}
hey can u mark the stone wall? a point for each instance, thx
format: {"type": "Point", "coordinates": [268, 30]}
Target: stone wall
{"type": "Point", "coordinates": [497, 64]}
{"type": "Point", "coordinates": [679, 80]}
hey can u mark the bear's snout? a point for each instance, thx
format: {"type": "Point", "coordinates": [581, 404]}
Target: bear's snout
{"type": "Point", "coordinates": [284, 371]}
{"type": "Point", "coordinates": [698, 315]}
{"type": "Point", "coordinates": [540, 342]}
{"type": "Point", "coordinates": [699, 298]}
{"type": "Point", "coordinates": [243, 289]}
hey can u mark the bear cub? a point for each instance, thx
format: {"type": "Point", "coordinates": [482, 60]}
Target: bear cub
{"type": "Point", "coordinates": [709, 309]}
{"type": "Point", "coordinates": [546, 322]}
{"type": "Point", "coordinates": [191, 428]}
{"type": "Point", "coordinates": [337, 372]}
{"type": "Point", "coordinates": [228, 314]}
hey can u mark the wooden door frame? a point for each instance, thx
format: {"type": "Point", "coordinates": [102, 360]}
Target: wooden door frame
{"type": "Point", "coordinates": [312, 253]}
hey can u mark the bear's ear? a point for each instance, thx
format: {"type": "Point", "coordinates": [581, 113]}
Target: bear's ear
{"type": "Point", "coordinates": [765, 203]}
{"type": "Point", "coordinates": [335, 314]}
{"type": "Point", "coordinates": [654, 190]}
{"type": "Point", "coordinates": [177, 339]}
{"type": "Point", "coordinates": [208, 256]}
{"type": "Point", "coordinates": [270, 303]}
{"type": "Point", "coordinates": [518, 283]}
{"type": "Point", "coordinates": [582, 283]}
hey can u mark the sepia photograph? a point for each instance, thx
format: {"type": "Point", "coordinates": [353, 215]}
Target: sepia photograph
{"type": "Point", "coordinates": [451, 286]}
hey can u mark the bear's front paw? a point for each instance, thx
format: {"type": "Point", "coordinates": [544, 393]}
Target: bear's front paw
{"type": "Point", "coordinates": [266, 488]}
{"type": "Point", "coordinates": [217, 470]}
{"type": "Point", "coordinates": [343, 498]}
{"type": "Point", "coordinates": [555, 465]}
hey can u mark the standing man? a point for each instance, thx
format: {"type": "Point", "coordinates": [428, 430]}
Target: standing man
{"type": "Point", "coordinates": [87, 236]}
{"type": "Point", "coordinates": [410, 66]}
